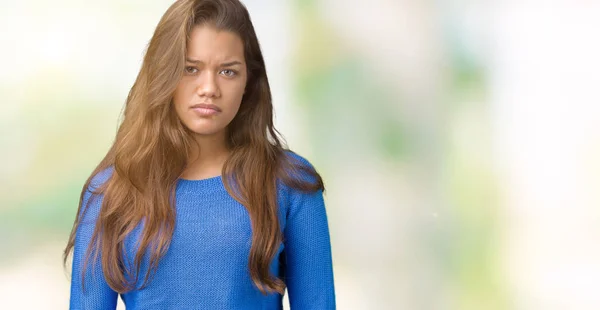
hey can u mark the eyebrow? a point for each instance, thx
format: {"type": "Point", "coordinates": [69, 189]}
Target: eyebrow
{"type": "Point", "coordinates": [227, 64]}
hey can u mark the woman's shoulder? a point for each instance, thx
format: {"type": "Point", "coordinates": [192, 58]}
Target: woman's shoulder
{"type": "Point", "coordinates": [91, 202]}
{"type": "Point", "coordinates": [298, 160]}
{"type": "Point", "coordinates": [299, 176]}
{"type": "Point", "coordinates": [303, 187]}
{"type": "Point", "coordinates": [299, 167]}
{"type": "Point", "coordinates": [99, 178]}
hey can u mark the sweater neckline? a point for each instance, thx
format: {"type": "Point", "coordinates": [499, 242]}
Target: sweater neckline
{"type": "Point", "coordinates": [211, 182]}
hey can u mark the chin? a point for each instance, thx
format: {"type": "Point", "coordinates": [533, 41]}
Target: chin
{"type": "Point", "coordinates": [205, 130]}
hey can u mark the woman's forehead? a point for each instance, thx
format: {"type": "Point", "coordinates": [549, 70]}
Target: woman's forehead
{"type": "Point", "coordinates": [207, 43]}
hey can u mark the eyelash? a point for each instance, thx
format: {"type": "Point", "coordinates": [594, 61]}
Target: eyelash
{"type": "Point", "coordinates": [233, 72]}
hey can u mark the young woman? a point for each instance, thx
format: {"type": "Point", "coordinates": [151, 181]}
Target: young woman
{"type": "Point", "coordinates": [197, 204]}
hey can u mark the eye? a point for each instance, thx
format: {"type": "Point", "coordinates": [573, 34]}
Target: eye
{"type": "Point", "coordinates": [190, 70]}
{"type": "Point", "coordinates": [229, 72]}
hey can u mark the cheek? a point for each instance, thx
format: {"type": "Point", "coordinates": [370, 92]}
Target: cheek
{"type": "Point", "coordinates": [239, 94]}
{"type": "Point", "coordinates": [240, 89]}
{"type": "Point", "coordinates": [180, 93]}
{"type": "Point", "coordinates": [179, 104]}
{"type": "Point", "coordinates": [181, 96]}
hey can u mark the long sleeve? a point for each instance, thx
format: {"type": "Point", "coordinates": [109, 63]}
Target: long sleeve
{"type": "Point", "coordinates": [308, 265]}
{"type": "Point", "coordinates": [97, 295]}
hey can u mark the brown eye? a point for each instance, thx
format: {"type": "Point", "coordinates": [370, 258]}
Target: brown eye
{"type": "Point", "coordinates": [229, 72]}
{"type": "Point", "coordinates": [190, 70]}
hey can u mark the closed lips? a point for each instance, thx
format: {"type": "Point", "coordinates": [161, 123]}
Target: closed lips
{"type": "Point", "coordinates": [206, 106]}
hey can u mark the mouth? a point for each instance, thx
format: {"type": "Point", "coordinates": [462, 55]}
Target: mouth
{"type": "Point", "coordinates": [205, 109]}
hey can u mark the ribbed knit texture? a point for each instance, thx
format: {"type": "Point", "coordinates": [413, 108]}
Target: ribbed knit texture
{"type": "Point", "coordinates": [206, 266]}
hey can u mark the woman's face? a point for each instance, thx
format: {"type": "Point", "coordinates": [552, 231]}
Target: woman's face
{"type": "Point", "coordinates": [209, 94]}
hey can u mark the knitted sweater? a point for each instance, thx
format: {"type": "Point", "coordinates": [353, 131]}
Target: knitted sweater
{"type": "Point", "coordinates": [206, 265]}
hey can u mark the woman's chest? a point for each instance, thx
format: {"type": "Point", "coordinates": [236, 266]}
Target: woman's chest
{"type": "Point", "coordinates": [213, 226]}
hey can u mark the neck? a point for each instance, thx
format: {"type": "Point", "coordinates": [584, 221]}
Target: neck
{"type": "Point", "coordinates": [207, 157]}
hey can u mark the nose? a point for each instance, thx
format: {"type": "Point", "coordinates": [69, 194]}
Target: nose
{"type": "Point", "coordinates": [207, 85]}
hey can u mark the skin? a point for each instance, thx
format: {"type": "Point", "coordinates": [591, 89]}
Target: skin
{"type": "Point", "coordinates": [215, 73]}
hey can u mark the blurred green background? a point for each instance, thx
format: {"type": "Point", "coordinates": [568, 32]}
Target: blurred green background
{"type": "Point", "coordinates": [458, 140]}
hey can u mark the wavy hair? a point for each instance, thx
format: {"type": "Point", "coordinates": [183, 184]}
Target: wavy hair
{"type": "Point", "coordinates": [151, 150]}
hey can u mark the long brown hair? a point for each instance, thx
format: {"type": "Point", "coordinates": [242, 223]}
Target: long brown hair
{"type": "Point", "coordinates": [152, 146]}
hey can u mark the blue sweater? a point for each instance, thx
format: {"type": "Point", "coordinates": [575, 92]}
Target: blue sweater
{"type": "Point", "coordinates": [206, 265]}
